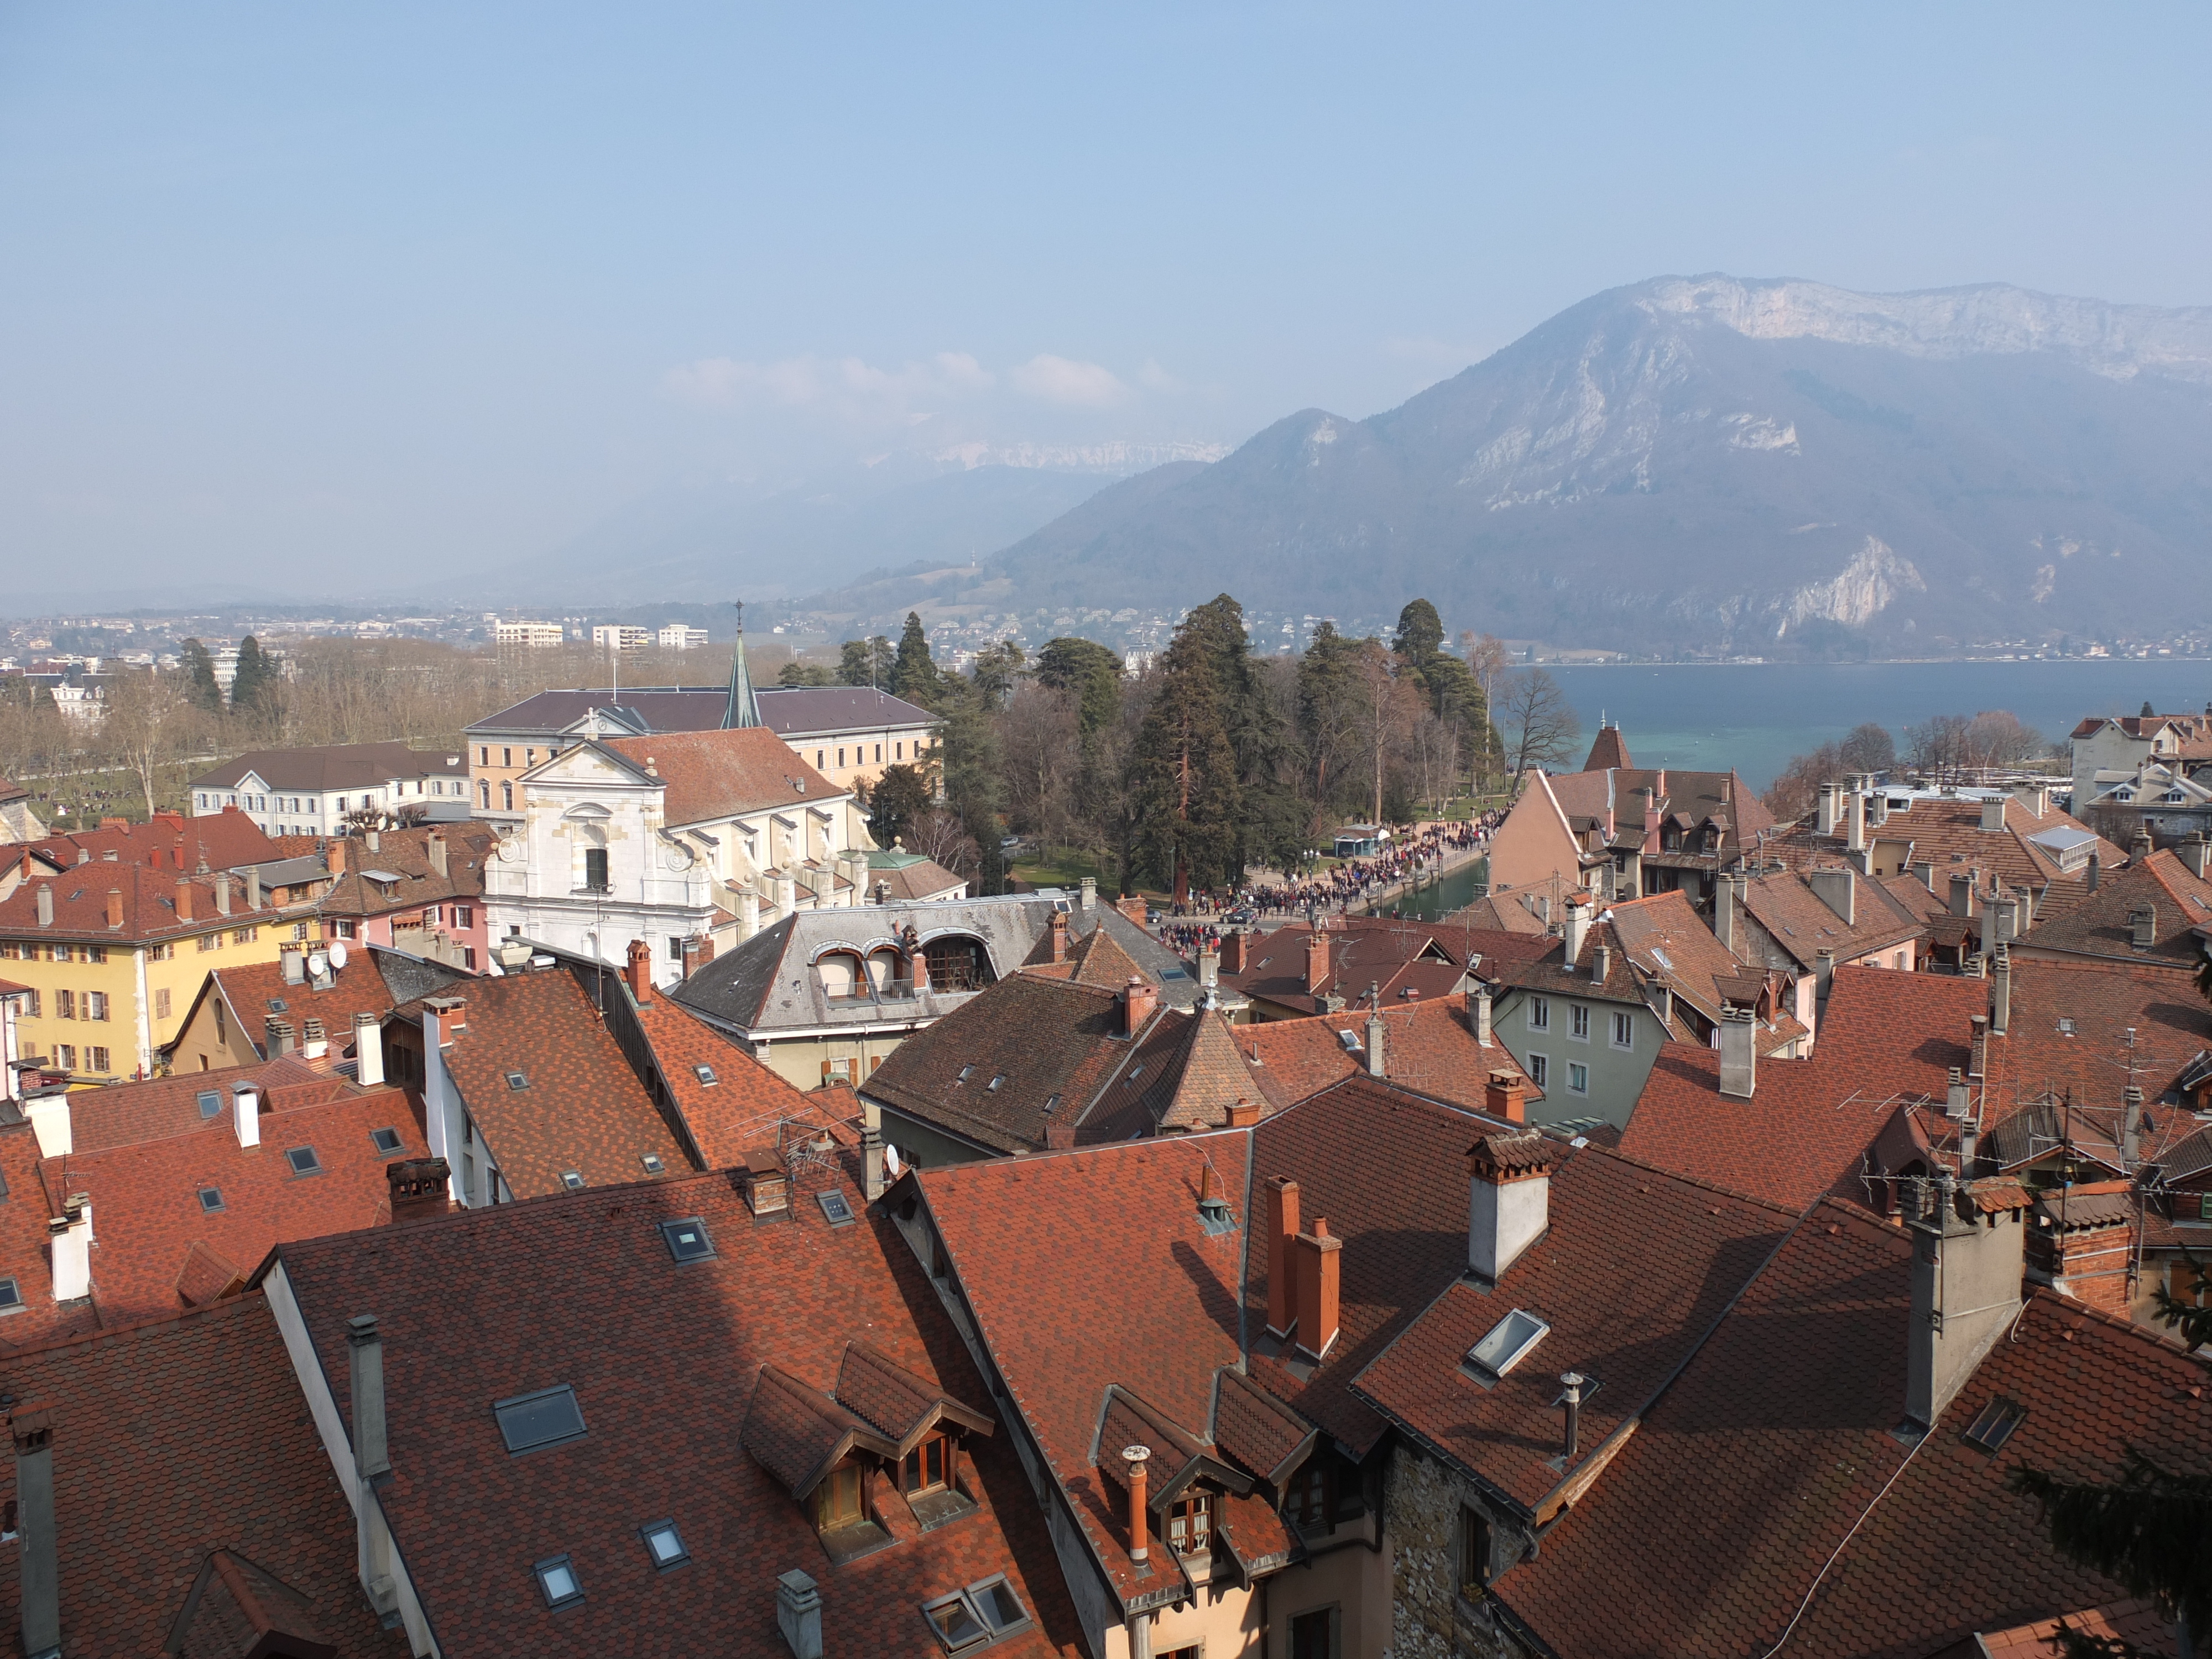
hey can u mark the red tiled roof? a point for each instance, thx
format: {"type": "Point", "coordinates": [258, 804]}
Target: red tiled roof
{"type": "Point", "coordinates": [24, 1248]}
{"type": "Point", "coordinates": [2103, 1001]}
{"type": "Point", "coordinates": [1362, 951]}
{"type": "Point", "coordinates": [1497, 914]}
{"type": "Point", "coordinates": [406, 853]}
{"type": "Point", "coordinates": [156, 1109]}
{"type": "Point", "coordinates": [171, 1439]}
{"type": "Point", "coordinates": [1620, 1312]}
{"type": "Point", "coordinates": [581, 1107]}
{"type": "Point", "coordinates": [1775, 1443]}
{"type": "Point", "coordinates": [745, 1105]}
{"type": "Point", "coordinates": [228, 839]}
{"type": "Point", "coordinates": [2100, 923]}
{"type": "Point", "coordinates": [717, 774]}
{"type": "Point", "coordinates": [1886, 1035]}
{"type": "Point", "coordinates": [356, 988]}
{"type": "Point", "coordinates": [148, 1216]}
{"type": "Point", "coordinates": [1426, 1047]}
{"type": "Point", "coordinates": [150, 906]}
{"type": "Point", "coordinates": [664, 1360]}
{"type": "Point", "coordinates": [1608, 751]}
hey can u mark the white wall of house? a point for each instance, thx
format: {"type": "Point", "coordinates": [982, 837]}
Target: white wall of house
{"type": "Point", "coordinates": [320, 812]}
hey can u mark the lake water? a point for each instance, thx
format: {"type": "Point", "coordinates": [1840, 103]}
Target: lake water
{"type": "Point", "coordinates": [1754, 716]}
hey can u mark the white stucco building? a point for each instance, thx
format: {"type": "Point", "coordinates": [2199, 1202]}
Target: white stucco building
{"type": "Point", "coordinates": [693, 841]}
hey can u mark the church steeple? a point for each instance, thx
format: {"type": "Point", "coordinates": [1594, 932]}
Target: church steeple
{"type": "Point", "coordinates": [742, 709]}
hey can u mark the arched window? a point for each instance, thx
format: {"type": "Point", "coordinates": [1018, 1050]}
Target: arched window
{"type": "Point", "coordinates": [887, 971]}
{"type": "Point", "coordinates": [843, 976]}
{"type": "Point", "coordinates": [958, 963]}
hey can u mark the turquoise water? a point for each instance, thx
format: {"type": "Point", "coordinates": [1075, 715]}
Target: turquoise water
{"type": "Point", "coordinates": [1754, 716]}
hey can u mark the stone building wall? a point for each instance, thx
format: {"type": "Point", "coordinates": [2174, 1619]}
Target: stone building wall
{"type": "Point", "coordinates": [1430, 1617]}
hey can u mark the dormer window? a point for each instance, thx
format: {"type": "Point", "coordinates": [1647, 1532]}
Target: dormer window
{"type": "Point", "coordinates": [1306, 1503]}
{"type": "Point", "coordinates": [1190, 1523]}
{"type": "Point", "coordinates": [928, 1467]}
{"type": "Point", "coordinates": [838, 1499]}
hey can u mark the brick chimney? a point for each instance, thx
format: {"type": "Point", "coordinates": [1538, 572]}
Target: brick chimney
{"type": "Point", "coordinates": [1966, 1265]}
{"type": "Point", "coordinates": [638, 970]}
{"type": "Point", "coordinates": [418, 1186]}
{"type": "Point", "coordinates": [1282, 1263]}
{"type": "Point", "coordinates": [1244, 1114]}
{"type": "Point", "coordinates": [1739, 1053]}
{"type": "Point", "coordinates": [1133, 1459]}
{"type": "Point", "coordinates": [1316, 962]}
{"type": "Point", "coordinates": [1317, 1252]}
{"type": "Point", "coordinates": [367, 1050]}
{"type": "Point", "coordinates": [183, 898]}
{"type": "Point", "coordinates": [1232, 951]}
{"type": "Point", "coordinates": [436, 847]}
{"type": "Point", "coordinates": [1059, 936]}
{"type": "Point", "coordinates": [334, 857]}
{"type": "Point", "coordinates": [115, 907]}
{"type": "Point", "coordinates": [1133, 906]}
{"type": "Point", "coordinates": [1509, 1198]}
{"type": "Point", "coordinates": [38, 1568]}
{"type": "Point", "coordinates": [2082, 1240]}
{"type": "Point", "coordinates": [1502, 1096]}
{"type": "Point", "coordinates": [1138, 1000]}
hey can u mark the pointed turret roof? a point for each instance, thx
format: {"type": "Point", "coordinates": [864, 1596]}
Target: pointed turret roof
{"type": "Point", "coordinates": [1608, 752]}
{"type": "Point", "coordinates": [743, 709]}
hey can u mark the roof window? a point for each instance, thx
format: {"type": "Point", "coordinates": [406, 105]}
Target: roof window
{"type": "Point", "coordinates": [706, 1075]}
{"type": "Point", "coordinates": [1137, 1071]}
{"type": "Point", "coordinates": [664, 1545]}
{"type": "Point", "coordinates": [983, 1613]}
{"type": "Point", "coordinates": [11, 1296]}
{"type": "Point", "coordinates": [1994, 1426]}
{"type": "Point", "coordinates": [210, 1103]}
{"type": "Point", "coordinates": [210, 1200]}
{"type": "Point", "coordinates": [652, 1163]}
{"type": "Point", "coordinates": [303, 1161]}
{"type": "Point", "coordinates": [558, 1582]}
{"type": "Point", "coordinates": [1509, 1342]}
{"type": "Point", "coordinates": [2066, 1028]}
{"type": "Point", "coordinates": [1051, 1104]}
{"type": "Point", "coordinates": [516, 1080]}
{"type": "Point", "coordinates": [547, 1417]}
{"type": "Point", "coordinates": [835, 1208]}
{"type": "Point", "coordinates": [992, 1087]}
{"type": "Point", "coordinates": [572, 1180]}
{"type": "Point", "coordinates": [966, 1072]}
{"type": "Point", "coordinates": [385, 1140]}
{"type": "Point", "coordinates": [277, 1005]}
{"type": "Point", "coordinates": [687, 1239]}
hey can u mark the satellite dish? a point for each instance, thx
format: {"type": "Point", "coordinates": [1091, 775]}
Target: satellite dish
{"type": "Point", "coordinates": [338, 953]}
{"type": "Point", "coordinates": [318, 962]}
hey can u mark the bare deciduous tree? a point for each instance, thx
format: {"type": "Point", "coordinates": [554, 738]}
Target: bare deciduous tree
{"type": "Point", "coordinates": [1538, 722]}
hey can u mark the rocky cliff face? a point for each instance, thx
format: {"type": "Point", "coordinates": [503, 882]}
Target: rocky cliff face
{"type": "Point", "coordinates": [1725, 463]}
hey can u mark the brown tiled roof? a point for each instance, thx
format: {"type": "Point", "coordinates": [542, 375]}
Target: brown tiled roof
{"type": "Point", "coordinates": [581, 1107]}
{"type": "Point", "coordinates": [228, 839]}
{"type": "Point", "coordinates": [1886, 1035]}
{"type": "Point", "coordinates": [1099, 959]}
{"type": "Point", "coordinates": [1258, 1430]}
{"type": "Point", "coordinates": [664, 1360]}
{"type": "Point", "coordinates": [1362, 951]}
{"type": "Point", "coordinates": [2138, 1622]}
{"type": "Point", "coordinates": [1497, 914]}
{"type": "Point", "coordinates": [170, 1439]}
{"type": "Point", "coordinates": [1427, 1048]}
{"type": "Point", "coordinates": [712, 776]}
{"type": "Point", "coordinates": [1948, 833]}
{"type": "Point", "coordinates": [1621, 1313]}
{"type": "Point", "coordinates": [746, 1105]}
{"type": "Point", "coordinates": [1803, 923]}
{"type": "Point", "coordinates": [406, 853]}
{"type": "Point", "coordinates": [1195, 1073]}
{"type": "Point", "coordinates": [150, 906]}
{"type": "Point", "coordinates": [917, 879]}
{"type": "Point", "coordinates": [1689, 799]}
{"type": "Point", "coordinates": [797, 1433]}
{"type": "Point", "coordinates": [25, 1250]}
{"type": "Point", "coordinates": [1608, 751]}
{"type": "Point", "coordinates": [2103, 1001]}
{"type": "Point", "coordinates": [356, 988]}
{"type": "Point", "coordinates": [895, 1401]}
{"type": "Point", "coordinates": [2100, 925]}
{"type": "Point", "coordinates": [156, 1109]}
{"type": "Point", "coordinates": [1772, 1469]}
{"type": "Point", "coordinates": [336, 766]}
{"type": "Point", "coordinates": [149, 1218]}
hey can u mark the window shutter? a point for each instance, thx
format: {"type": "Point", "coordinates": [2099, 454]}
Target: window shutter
{"type": "Point", "coordinates": [825, 1071]}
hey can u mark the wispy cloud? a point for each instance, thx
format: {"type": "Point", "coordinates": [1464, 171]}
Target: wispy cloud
{"type": "Point", "coordinates": [1067, 380]}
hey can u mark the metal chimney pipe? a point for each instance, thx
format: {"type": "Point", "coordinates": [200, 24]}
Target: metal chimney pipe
{"type": "Point", "coordinates": [1573, 1381]}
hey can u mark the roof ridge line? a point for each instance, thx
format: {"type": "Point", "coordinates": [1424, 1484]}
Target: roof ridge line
{"type": "Point", "coordinates": [131, 1327]}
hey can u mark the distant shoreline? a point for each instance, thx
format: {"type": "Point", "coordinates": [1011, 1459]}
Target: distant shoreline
{"type": "Point", "coordinates": [1880, 662]}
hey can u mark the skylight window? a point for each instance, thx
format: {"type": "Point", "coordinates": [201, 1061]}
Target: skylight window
{"type": "Point", "coordinates": [983, 1613]}
{"type": "Point", "coordinates": [1994, 1426]}
{"type": "Point", "coordinates": [277, 1005]}
{"type": "Point", "coordinates": [992, 1087]}
{"type": "Point", "coordinates": [547, 1417]}
{"type": "Point", "coordinates": [664, 1545]}
{"type": "Point", "coordinates": [687, 1239]}
{"type": "Point", "coordinates": [1509, 1342]}
{"type": "Point", "coordinates": [517, 1081]}
{"type": "Point", "coordinates": [385, 1140]}
{"type": "Point", "coordinates": [706, 1075]}
{"type": "Point", "coordinates": [558, 1582]}
{"type": "Point", "coordinates": [835, 1208]}
{"type": "Point", "coordinates": [210, 1200]}
{"type": "Point", "coordinates": [303, 1161]}
{"type": "Point", "coordinates": [966, 1072]}
{"type": "Point", "coordinates": [572, 1180]}
{"type": "Point", "coordinates": [2066, 1028]}
{"type": "Point", "coordinates": [652, 1163]}
{"type": "Point", "coordinates": [11, 1296]}
{"type": "Point", "coordinates": [210, 1103]}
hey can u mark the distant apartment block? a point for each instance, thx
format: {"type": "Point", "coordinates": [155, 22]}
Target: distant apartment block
{"type": "Point", "coordinates": [528, 636]}
{"type": "Point", "coordinates": [310, 792]}
{"type": "Point", "coordinates": [606, 635]}
{"type": "Point", "coordinates": [677, 637]}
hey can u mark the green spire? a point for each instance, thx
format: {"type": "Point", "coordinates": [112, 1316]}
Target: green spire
{"type": "Point", "coordinates": [743, 709]}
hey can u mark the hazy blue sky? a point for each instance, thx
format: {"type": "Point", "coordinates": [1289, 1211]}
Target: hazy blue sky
{"type": "Point", "coordinates": [297, 295]}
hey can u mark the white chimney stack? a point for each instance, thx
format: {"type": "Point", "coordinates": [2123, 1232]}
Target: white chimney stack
{"type": "Point", "coordinates": [70, 1248]}
{"type": "Point", "coordinates": [1509, 1198]}
{"type": "Point", "coordinates": [1967, 1261]}
{"type": "Point", "coordinates": [50, 1121]}
{"type": "Point", "coordinates": [245, 1112]}
{"type": "Point", "coordinates": [367, 1049]}
{"type": "Point", "coordinates": [1739, 1053]}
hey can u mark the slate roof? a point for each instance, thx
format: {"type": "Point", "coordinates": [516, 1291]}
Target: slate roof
{"type": "Point", "coordinates": [2100, 925]}
{"type": "Point", "coordinates": [336, 766]}
{"type": "Point", "coordinates": [581, 1107]}
{"type": "Point", "coordinates": [1886, 1035]}
{"type": "Point", "coordinates": [1621, 1313]}
{"type": "Point", "coordinates": [148, 1218]}
{"type": "Point", "coordinates": [662, 708]}
{"type": "Point", "coordinates": [806, 711]}
{"type": "Point", "coordinates": [713, 776]}
{"type": "Point", "coordinates": [665, 1361]}
{"type": "Point", "coordinates": [1775, 1443]}
{"type": "Point", "coordinates": [1427, 1048]}
{"type": "Point", "coordinates": [171, 1439]}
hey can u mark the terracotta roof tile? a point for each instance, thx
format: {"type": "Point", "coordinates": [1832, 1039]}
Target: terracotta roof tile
{"type": "Point", "coordinates": [717, 774]}
{"type": "Point", "coordinates": [1427, 1048]}
{"type": "Point", "coordinates": [2100, 925]}
{"type": "Point", "coordinates": [228, 839]}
